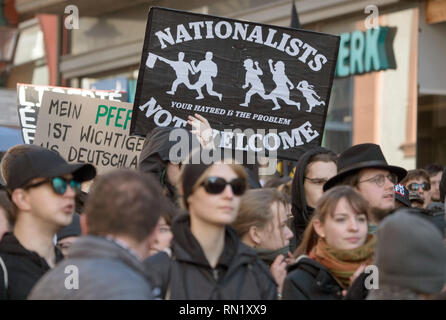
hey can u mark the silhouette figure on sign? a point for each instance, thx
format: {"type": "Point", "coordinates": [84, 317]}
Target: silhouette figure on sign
{"type": "Point", "coordinates": [180, 67]}
{"type": "Point", "coordinates": [208, 69]}
{"type": "Point", "coordinates": [281, 91]}
{"type": "Point", "coordinates": [252, 78]}
{"type": "Point", "coordinates": [310, 95]}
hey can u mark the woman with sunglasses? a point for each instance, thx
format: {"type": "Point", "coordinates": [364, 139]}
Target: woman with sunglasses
{"type": "Point", "coordinates": [208, 261]}
{"type": "Point", "coordinates": [335, 248]}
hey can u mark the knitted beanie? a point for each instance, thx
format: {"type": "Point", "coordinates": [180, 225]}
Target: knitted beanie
{"type": "Point", "coordinates": [410, 253]}
{"type": "Point", "coordinates": [191, 174]}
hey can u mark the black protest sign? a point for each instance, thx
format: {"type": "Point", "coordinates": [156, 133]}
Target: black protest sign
{"type": "Point", "coordinates": [29, 99]}
{"type": "Point", "coordinates": [88, 130]}
{"type": "Point", "coordinates": [239, 75]}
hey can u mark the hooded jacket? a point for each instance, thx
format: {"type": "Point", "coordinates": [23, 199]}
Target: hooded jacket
{"type": "Point", "coordinates": [105, 269]}
{"type": "Point", "coordinates": [154, 156]}
{"type": "Point", "coordinates": [187, 275]}
{"type": "Point", "coordinates": [24, 268]}
{"type": "Point", "coordinates": [302, 213]}
{"type": "Point", "coordinates": [307, 279]}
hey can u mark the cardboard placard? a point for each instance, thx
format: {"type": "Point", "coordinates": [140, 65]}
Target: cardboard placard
{"type": "Point", "coordinates": [29, 99]}
{"type": "Point", "coordinates": [238, 75]}
{"type": "Point", "coordinates": [88, 130]}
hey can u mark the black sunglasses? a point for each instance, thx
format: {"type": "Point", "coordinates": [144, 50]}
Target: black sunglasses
{"type": "Point", "coordinates": [216, 185]}
{"type": "Point", "coordinates": [59, 184]}
{"type": "Point", "coordinates": [415, 186]}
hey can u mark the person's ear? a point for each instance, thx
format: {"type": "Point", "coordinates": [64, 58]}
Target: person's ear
{"type": "Point", "coordinates": [319, 228]}
{"type": "Point", "coordinates": [84, 224]}
{"type": "Point", "coordinates": [20, 198]}
{"type": "Point", "coordinates": [254, 236]}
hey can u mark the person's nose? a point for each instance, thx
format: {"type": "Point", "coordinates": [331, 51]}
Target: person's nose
{"type": "Point", "coordinates": [288, 233]}
{"type": "Point", "coordinates": [388, 185]}
{"type": "Point", "coordinates": [227, 192]}
{"type": "Point", "coordinates": [69, 193]}
{"type": "Point", "coordinates": [353, 224]}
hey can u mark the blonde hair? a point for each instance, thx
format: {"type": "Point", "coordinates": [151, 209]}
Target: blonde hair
{"type": "Point", "coordinates": [255, 209]}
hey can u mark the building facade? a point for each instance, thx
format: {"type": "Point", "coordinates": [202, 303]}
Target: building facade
{"type": "Point", "coordinates": [390, 87]}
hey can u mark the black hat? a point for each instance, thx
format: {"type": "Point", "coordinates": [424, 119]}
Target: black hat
{"type": "Point", "coordinates": [402, 195]}
{"type": "Point", "coordinates": [362, 156]}
{"type": "Point", "coordinates": [191, 173]}
{"type": "Point", "coordinates": [38, 162]}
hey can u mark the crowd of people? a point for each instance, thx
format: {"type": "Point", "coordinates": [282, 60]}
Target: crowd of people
{"type": "Point", "coordinates": [216, 231]}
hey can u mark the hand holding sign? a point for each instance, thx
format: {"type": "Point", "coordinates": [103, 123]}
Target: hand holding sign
{"type": "Point", "coordinates": [202, 130]}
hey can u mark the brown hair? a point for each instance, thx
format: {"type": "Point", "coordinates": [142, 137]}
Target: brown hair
{"type": "Point", "coordinates": [124, 202]}
{"type": "Point", "coordinates": [327, 205]}
{"type": "Point", "coordinates": [415, 174]}
{"type": "Point", "coordinates": [351, 180]}
{"type": "Point", "coordinates": [255, 209]}
{"type": "Point", "coordinates": [328, 156]}
{"type": "Point", "coordinates": [433, 168]}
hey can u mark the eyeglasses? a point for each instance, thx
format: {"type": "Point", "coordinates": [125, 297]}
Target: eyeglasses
{"type": "Point", "coordinates": [380, 179]}
{"type": "Point", "coordinates": [59, 184]}
{"type": "Point", "coordinates": [318, 181]}
{"type": "Point", "coordinates": [216, 185]}
{"type": "Point", "coordinates": [415, 186]}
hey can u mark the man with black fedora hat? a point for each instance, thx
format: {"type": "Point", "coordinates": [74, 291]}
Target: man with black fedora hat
{"type": "Point", "coordinates": [42, 187]}
{"type": "Point", "coordinates": [365, 168]}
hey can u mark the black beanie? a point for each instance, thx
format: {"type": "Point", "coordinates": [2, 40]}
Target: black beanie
{"type": "Point", "coordinates": [191, 174]}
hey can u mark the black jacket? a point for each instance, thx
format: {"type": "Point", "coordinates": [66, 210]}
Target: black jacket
{"type": "Point", "coordinates": [154, 156]}
{"type": "Point", "coordinates": [302, 213]}
{"type": "Point", "coordinates": [239, 274]}
{"type": "Point", "coordinates": [309, 280]}
{"type": "Point", "coordinates": [24, 267]}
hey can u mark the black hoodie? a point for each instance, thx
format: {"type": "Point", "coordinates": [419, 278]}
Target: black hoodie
{"type": "Point", "coordinates": [154, 155]}
{"type": "Point", "coordinates": [24, 267]}
{"type": "Point", "coordinates": [302, 213]}
{"type": "Point", "coordinates": [239, 274]}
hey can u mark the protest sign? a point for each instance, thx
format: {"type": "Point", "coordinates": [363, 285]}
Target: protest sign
{"type": "Point", "coordinates": [88, 130]}
{"type": "Point", "coordinates": [239, 75]}
{"type": "Point", "coordinates": [29, 99]}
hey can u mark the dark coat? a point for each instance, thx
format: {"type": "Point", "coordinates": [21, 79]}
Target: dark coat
{"type": "Point", "coordinates": [302, 213]}
{"type": "Point", "coordinates": [239, 274]}
{"type": "Point", "coordinates": [309, 280]}
{"type": "Point", "coordinates": [24, 267]}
